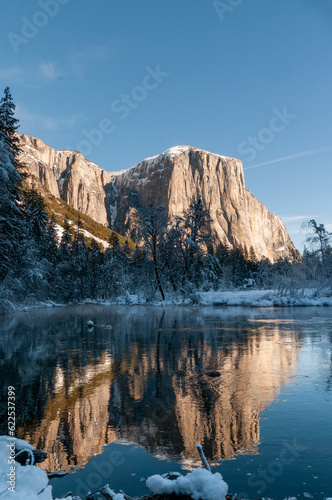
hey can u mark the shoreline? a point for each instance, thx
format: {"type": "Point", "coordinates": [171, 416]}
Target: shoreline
{"type": "Point", "coordinates": [248, 298]}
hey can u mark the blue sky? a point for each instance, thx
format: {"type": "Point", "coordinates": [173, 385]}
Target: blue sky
{"type": "Point", "coordinates": [250, 79]}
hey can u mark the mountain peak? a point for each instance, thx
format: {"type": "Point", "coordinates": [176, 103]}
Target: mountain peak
{"type": "Point", "coordinates": [170, 179]}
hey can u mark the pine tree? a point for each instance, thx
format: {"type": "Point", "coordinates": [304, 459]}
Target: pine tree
{"type": "Point", "coordinates": [78, 235]}
{"type": "Point", "coordinates": [253, 261]}
{"type": "Point", "coordinates": [51, 240]}
{"type": "Point", "coordinates": [79, 260]}
{"type": "Point", "coordinates": [94, 276]}
{"type": "Point", "coordinates": [35, 211]}
{"type": "Point", "coordinates": [9, 124]}
{"type": "Point", "coordinates": [66, 238]}
{"type": "Point", "coordinates": [114, 241]}
{"type": "Point", "coordinates": [11, 218]}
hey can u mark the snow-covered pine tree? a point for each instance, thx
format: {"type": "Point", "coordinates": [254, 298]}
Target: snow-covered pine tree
{"type": "Point", "coordinates": [240, 266]}
{"type": "Point", "coordinates": [11, 220]}
{"type": "Point", "coordinates": [66, 239]}
{"type": "Point", "coordinates": [94, 271]}
{"type": "Point", "coordinates": [79, 260]}
{"type": "Point", "coordinates": [52, 240]}
{"type": "Point", "coordinates": [9, 124]}
{"type": "Point", "coordinates": [35, 211]}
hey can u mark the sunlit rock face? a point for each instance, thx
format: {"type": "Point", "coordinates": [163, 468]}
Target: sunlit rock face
{"type": "Point", "coordinates": [173, 178]}
{"type": "Point", "coordinates": [170, 179]}
{"type": "Point", "coordinates": [67, 175]}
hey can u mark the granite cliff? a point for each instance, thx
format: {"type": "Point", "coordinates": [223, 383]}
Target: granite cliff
{"type": "Point", "coordinates": [67, 175]}
{"type": "Point", "coordinates": [170, 179]}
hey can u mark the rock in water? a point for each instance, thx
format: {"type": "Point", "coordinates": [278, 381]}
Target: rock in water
{"type": "Point", "coordinates": [214, 374]}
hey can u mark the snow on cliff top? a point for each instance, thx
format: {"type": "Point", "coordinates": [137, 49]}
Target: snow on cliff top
{"type": "Point", "coordinates": [176, 150]}
{"type": "Point", "coordinates": [147, 162]}
{"type": "Point", "coordinates": [169, 153]}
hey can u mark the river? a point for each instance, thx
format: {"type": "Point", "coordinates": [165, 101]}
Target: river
{"type": "Point", "coordinates": [132, 396]}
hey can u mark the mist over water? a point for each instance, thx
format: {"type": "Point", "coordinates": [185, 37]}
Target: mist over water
{"type": "Point", "coordinates": [146, 384]}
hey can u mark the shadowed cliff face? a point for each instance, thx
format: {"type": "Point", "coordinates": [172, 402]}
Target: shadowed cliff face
{"type": "Point", "coordinates": [170, 179]}
{"type": "Point", "coordinates": [146, 381]}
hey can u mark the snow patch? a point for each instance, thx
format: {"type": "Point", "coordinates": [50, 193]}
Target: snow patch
{"type": "Point", "coordinates": [147, 163]}
{"type": "Point", "coordinates": [29, 147]}
{"type": "Point", "coordinates": [200, 484]}
{"type": "Point", "coordinates": [59, 231]}
{"type": "Point", "coordinates": [176, 150]}
{"type": "Point", "coordinates": [30, 481]}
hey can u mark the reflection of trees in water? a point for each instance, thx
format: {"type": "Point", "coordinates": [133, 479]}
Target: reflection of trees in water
{"type": "Point", "coordinates": [33, 348]}
{"type": "Point", "coordinates": [145, 380]}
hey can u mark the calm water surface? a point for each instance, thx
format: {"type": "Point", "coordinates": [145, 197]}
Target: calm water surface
{"type": "Point", "coordinates": [117, 404]}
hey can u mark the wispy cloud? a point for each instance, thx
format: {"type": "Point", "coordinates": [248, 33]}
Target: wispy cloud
{"type": "Point", "coordinates": [30, 118]}
{"type": "Point", "coordinates": [284, 158]}
{"type": "Point", "coordinates": [19, 76]}
{"type": "Point", "coordinates": [294, 223]}
{"type": "Point", "coordinates": [295, 218]}
{"type": "Point", "coordinates": [32, 77]}
{"type": "Point", "coordinates": [48, 71]}
{"type": "Point", "coordinates": [81, 60]}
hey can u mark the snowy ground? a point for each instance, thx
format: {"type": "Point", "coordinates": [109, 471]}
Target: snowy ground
{"type": "Point", "coordinates": [21, 482]}
{"type": "Point", "coordinates": [263, 298]}
{"type": "Point", "coordinates": [247, 298]}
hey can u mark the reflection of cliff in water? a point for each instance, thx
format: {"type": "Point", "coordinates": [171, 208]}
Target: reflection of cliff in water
{"type": "Point", "coordinates": [187, 406]}
{"type": "Point", "coordinates": [146, 381]}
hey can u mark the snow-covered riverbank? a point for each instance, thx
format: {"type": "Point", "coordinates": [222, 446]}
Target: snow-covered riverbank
{"type": "Point", "coordinates": [263, 298]}
{"type": "Point", "coordinates": [245, 298]}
